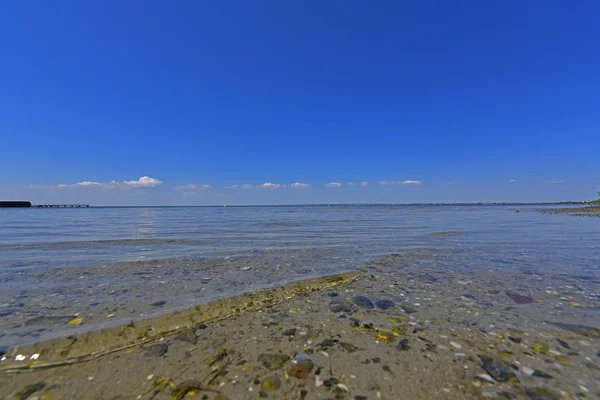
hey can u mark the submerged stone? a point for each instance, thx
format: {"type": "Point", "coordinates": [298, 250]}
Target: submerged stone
{"type": "Point", "coordinates": [158, 303]}
{"type": "Point", "coordinates": [582, 330]}
{"type": "Point", "coordinates": [29, 390]}
{"type": "Point", "coordinates": [408, 308]}
{"type": "Point", "coordinates": [350, 348]}
{"type": "Point", "coordinates": [540, 347]}
{"type": "Point", "coordinates": [541, 374]}
{"type": "Point", "coordinates": [289, 332]}
{"type": "Point", "coordinates": [403, 345]}
{"type": "Point", "coordinates": [301, 370]}
{"type": "Point", "coordinates": [563, 344]}
{"type": "Point", "coordinates": [271, 383]}
{"type": "Point", "coordinates": [497, 369]}
{"type": "Point", "coordinates": [340, 305]}
{"type": "Point", "coordinates": [157, 350]}
{"type": "Point", "coordinates": [541, 394]}
{"type": "Point", "coordinates": [428, 278]}
{"type": "Point", "coordinates": [363, 301]}
{"type": "Point", "coordinates": [188, 335]}
{"type": "Point", "coordinates": [519, 298]}
{"type": "Point", "coordinates": [384, 304]}
{"type": "Point", "coordinates": [273, 361]}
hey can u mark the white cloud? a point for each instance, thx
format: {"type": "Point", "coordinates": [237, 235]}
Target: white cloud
{"type": "Point", "coordinates": [364, 184]}
{"type": "Point", "coordinates": [333, 185]}
{"type": "Point", "coordinates": [298, 185]}
{"type": "Point", "coordinates": [246, 186]}
{"type": "Point", "coordinates": [99, 185]}
{"type": "Point", "coordinates": [556, 182]}
{"type": "Point", "coordinates": [269, 185]}
{"type": "Point", "coordinates": [512, 180]}
{"type": "Point", "coordinates": [393, 183]}
{"type": "Point", "coordinates": [232, 187]}
{"type": "Point", "coordinates": [351, 183]}
{"type": "Point", "coordinates": [144, 182]}
{"type": "Point", "coordinates": [192, 186]}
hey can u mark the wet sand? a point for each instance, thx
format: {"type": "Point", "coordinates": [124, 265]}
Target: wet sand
{"type": "Point", "coordinates": [400, 328]}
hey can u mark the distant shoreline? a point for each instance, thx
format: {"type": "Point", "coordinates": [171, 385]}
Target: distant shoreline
{"type": "Point", "coordinates": [590, 211]}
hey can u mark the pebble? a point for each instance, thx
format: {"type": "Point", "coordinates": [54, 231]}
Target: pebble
{"type": "Point", "coordinates": [540, 347]}
{"type": "Point", "coordinates": [157, 350]}
{"type": "Point", "coordinates": [363, 301]}
{"type": "Point", "coordinates": [385, 304]}
{"type": "Point", "coordinates": [270, 384]}
{"type": "Point", "coordinates": [290, 332]}
{"type": "Point", "coordinates": [497, 369]}
{"type": "Point", "coordinates": [541, 394]}
{"type": "Point", "coordinates": [456, 345]}
{"type": "Point", "coordinates": [340, 305]}
{"type": "Point", "coordinates": [158, 303]}
{"type": "Point", "coordinates": [403, 345]}
{"type": "Point", "coordinates": [519, 298]}
{"type": "Point", "coordinates": [301, 370]}
{"type": "Point", "coordinates": [408, 308]}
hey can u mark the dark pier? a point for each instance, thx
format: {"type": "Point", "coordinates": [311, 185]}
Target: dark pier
{"type": "Point", "coordinates": [12, 204]}
{"type": "Point", "coordinates": [61, 206]}
{"type": "Point", "coordinates": [27, 204]}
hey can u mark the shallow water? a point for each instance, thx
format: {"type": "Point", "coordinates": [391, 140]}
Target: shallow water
{"type": "Point", "coordinates": [109, 265]}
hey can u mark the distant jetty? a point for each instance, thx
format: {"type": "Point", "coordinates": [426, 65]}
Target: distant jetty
{"type": "Point", "coordinates": [27, 204]}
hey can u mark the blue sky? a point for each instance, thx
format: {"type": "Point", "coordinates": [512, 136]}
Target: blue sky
{"type": "Point", "coordinates": [461, 96]}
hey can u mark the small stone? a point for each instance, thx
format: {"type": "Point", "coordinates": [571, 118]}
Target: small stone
{"type": "Point", "coordinates": [157, 350]}
{"type": "Point", "coordinates": [497, 369]}
{"type": "Point", "coordinates": [301, 370]}
{"type": "Point", "coordinates": [540, 347]}
{"type": "Point", "coordinates": [428, 278]}
{"type": "Point", "coordinates": [515, 339]}
{"type": "Point", "coordinates": [273, 361]}
{"type": "Point", "coordinates": [384, 304]}
{"type": "Point", "coordinates": [563, 344]}
{"type": "Point", "coordinates": [385, 337]}
{"type": "Point", "coordinates": [263, 394]}
{"type": "Point", "coordinates": [408, 308]}
{"type": "Point", "coordinates": [332, 294]}
{"type": "Point", "coordinates": [541, 394]}
{"type": "Point", "coordinates": [271, 384]}
{"type": "Point", "coordinates": [564, 360]}
{"type": "Point", "coordinates": [363, 301]}
{"type": "Point", "coordinates": [76, 321]}
{"type": "Point", "coordinates": [290, 332]}
{"type": "Point", "coordinates": [302, 357]}
{"type": "Point", "coordinates": [485, 378]}
{"type": "Point", "coordinates": [456, 345]}
{"type": "Point", "coordinates": [325, 344]}
{"type": "Point", "coordinates": [582, 330]}
{"type": "Point", "coordinates": [359, 397]}
{"type": "Point", "coordinates": [350, 348]}
{"type": "Point", "coordinates": [403, 345]}
{"type": "Point", "coordinates": [158, 303]}
{"type": "Point", "coordinates": [519, 298]}
{"type": "Point", "coordinates": [340, 305]}
{"type": "Point", "coordinates": [541, 374]}
{"type": "Point", "coordinates": [188, 335]}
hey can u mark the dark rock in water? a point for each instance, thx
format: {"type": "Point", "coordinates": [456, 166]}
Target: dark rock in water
{"type": "Point", "coordinates": [468, 296]}
{"type": "Point", "coordinates": [29, 390]}
{"type": "Point", "coordinates": [263, 394]}
{"type": "Point", "coordinates": [157, 350]}
{"type": "Point", "coordinates": [340, 305]}
{"type": "Point", "coordinates": [158, 303]}
{"type": "Point", "coordinates": [301, 370]}
{"type": "Point", "coordinates": [188, 335]}
{"type": "Point", "coordinates": [519, 298]}
{"type": "Point", "coordinates": [202, 326]}
{"type": "Point", "coordinates": [3, 350]}
{"type": "Point", "coordinates": [428, 278]}
{"type": "Point", "coordinates": [582, 330]}
{"type": "Point", "coordinates": [332, 294]}
{"type": "Point", "coordinates": [359, 397]}
{"type": "Point", "coordinates": [408, 308]}
{"type": "Point", "coordinates": [363, 301]}
{"type": "Point", "coordinates": [403, 345]}
{"type": "Point", "coordinates": [355, 323]}
{"type": "Point", "coordinates": [498, 370]}
{"type": "Point", "coordinates": [350, 348]}
{"type": "Point", "coordinates": [541, 374]}
{"type": "Point", "coordinates": [563, 344]}
{"type": "Point", "coordinates": [515, 339]}
{"type": "Point", "coordinates": [541, 394]}
{"type": "Point", "coordinates": [290, 332]}
{"type": "Point", "coordinates": [273, 361]}
{"type": "Point", "coordinates": [384, 304]}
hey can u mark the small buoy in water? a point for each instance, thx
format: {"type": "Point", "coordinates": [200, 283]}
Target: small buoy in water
{"type": "Point", "coordinates": [224, 205]}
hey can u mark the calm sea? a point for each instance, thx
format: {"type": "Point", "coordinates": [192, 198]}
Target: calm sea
{"type": "Point", "coordinates": [116, 262]}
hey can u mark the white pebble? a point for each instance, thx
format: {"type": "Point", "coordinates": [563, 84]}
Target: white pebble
{"type": "Point", "coordinates": [456, 345]}
{"type": "Point", "coordinates": [527, 370]}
